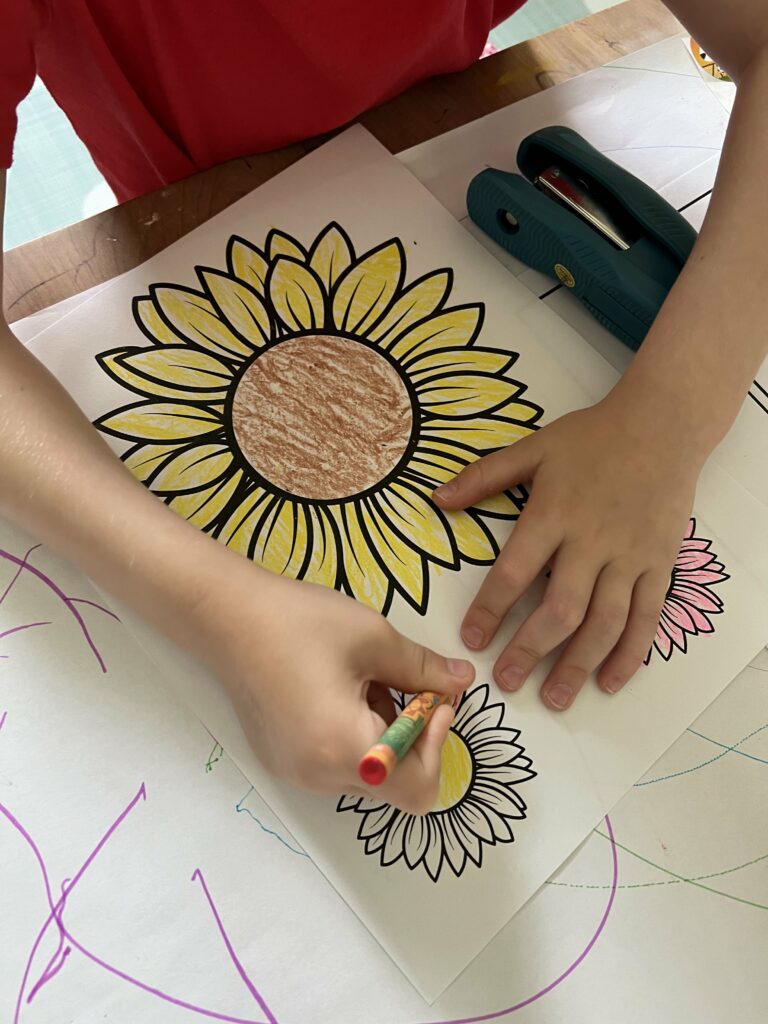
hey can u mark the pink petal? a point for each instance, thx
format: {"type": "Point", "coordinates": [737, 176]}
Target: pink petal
{"type": "Point", "coordinates": [673, 631]}
{"type": "Point", "coordinates": [680, 615]}
{"type": "Point", "coordinates": [688, 560]}
{"type": "Point", "coordinates": [706, 577]}
{"type": "Point", "coordinates": [696, 597]}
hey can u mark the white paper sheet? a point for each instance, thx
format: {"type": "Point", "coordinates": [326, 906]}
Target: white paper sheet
{"type": "Point", "coordinates": [665, 947]}
{"type": "Point", "coordinates": [610, 742]}
{"type": "Point", "coordinates": [76, 745]}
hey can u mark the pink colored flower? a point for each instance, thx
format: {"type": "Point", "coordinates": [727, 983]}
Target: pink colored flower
{"type": "Point", "coordinates": [690, 600]}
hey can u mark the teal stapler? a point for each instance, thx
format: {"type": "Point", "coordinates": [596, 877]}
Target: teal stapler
{"type": "Point", "coordinates": [579, 217]}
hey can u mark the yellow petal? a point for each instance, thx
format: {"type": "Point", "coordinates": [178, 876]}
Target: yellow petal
{"type": "Point", "coordinates": [449, 329]}
{"type": "Point", "coordinates": [196, 319]}
{"type": "Point", "coordinates": [420, 300]}
{"type": "Point", "coordinates": [363, 577]}
{"type": "Point", "coordinates": [459, 360]}
{"type": "Point", "coordinates": [282, 540]}
{"type": "Point", "coordinates": [152, 324]}
{"type": "Point", "coordinates": [435, 467]}
{"type": "Point", "coordinates": [330, 256]}
{"type": "Point", "coordinates": [296, 295]}
{"type": "Point", "coordinates": [279, 244]}
{"type": "Point", "coordinates": [323, 563]}
{"type": "Point", "coordinates": [237, 532]}
{"type": "Point", "coordinates": [482, 433]}
{"type": "Point", "coordinates": [367, 288]}
{"type": "Point", "coordinates": [203, 507]}
{"type": "Point", "coordinates": [239, 306]}
{"type": "Point", "coordinates": [473, 540]}
{"type": "Point", "coordinates": [160, 421]}
{"type": "Point", "coordinates": [500, 506]}
{"type": "Point", "coordinates": [465, 394]}
{"type": "Point", "coordinates": [193, 468]}
{"type": "Point", "coordinates": [174, 371]}
{"type": "Point", "coordinates": [144, 460]}
{"type": "Point", "coordinates": [405, 566]}
{"type": "Point", "coordinates": [247, 263]}
{"type": "Point", "coordinates": [417, 521]}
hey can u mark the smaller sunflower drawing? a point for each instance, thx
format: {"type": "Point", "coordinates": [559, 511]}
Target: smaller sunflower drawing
{"type": "Point", "coordinates": [477, 804]}
{"type": "Point", "coordinates": [690, 600]}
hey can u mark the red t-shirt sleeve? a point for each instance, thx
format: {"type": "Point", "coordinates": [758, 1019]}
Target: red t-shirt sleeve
{"type": "Point", "coordinates": [20, 21]}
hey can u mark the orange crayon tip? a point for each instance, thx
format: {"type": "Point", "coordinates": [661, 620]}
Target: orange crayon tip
{"type": "Point", "coordinates": [372, 770]}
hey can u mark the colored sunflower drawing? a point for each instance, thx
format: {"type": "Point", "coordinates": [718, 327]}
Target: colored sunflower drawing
{"type": "Point", "coordinates": [478, 802]}
{"type": "Point", "coordinates": [302, 404]}
{"type": "Point", "coordinates": [690, 600]}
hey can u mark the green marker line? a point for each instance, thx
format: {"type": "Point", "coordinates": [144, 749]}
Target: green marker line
{"type": "Point", "coordinates": [688, 881]}
{"type": "Point", "coordinates": [668, 881]}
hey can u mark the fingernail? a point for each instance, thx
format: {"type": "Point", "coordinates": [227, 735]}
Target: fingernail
{"type": "Point", "coordinates": [614, 685]}
{"type": "Point", "coordinates": [560, 696]}
{"type": "Point", "coordinates": [446, 490]}
{"type": "Point", "coordinates": [472, 636]}
{"type": "Point", "coordinates": [511, 677]}
{"type": "Point", "coordinates": [458, 667]}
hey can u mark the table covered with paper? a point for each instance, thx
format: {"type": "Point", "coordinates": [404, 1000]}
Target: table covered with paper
{"type": "Point", "coordinates": [577, 864]}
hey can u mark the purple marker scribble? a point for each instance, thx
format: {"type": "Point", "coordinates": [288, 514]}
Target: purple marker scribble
{"type": "Point", "coordinates": [495, 1014]}
{"type": "Point", "coordinates": [18, 573]}
{"type": "Point", "coordinates": [67, 940]}
{"type": "Point", "coordinates": [69, 603]}
{"type": "Point", "coordinates": [95, 604]}
{"type": "Point", "coordinates": [197, 875]}
{"type": "Point", "coordinates": [3, 718]}
{"type": "Point", "coordinates": [18, 629]}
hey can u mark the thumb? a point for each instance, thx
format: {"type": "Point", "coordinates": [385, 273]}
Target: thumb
{"type": "Point", "coordinates": [490, 475]}
{"type": "Point", "coordinates": [414, 784]}
{"type": "Point", "coordinates": [407, 666]}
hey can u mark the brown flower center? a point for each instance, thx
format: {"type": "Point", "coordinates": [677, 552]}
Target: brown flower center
{"type": "Point", "coordinates": [322, 417]}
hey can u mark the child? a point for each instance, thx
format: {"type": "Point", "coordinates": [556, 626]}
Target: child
{"type": "Point", "coordinates": [160, 90]}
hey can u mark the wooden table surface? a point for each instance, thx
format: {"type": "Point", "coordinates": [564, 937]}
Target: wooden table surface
{"type": "Point", "coordinates": [94, 250]}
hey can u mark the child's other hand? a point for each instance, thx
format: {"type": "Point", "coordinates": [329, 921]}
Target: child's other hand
{"type": "Point", "coordinates": [309, 672]}
{"type": "Point", "coordinates": [609, 501]}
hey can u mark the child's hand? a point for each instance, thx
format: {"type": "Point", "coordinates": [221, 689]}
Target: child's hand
{"type": "Point", "coordinates": [309, 672]}
{"type": "Point", "coordinates": [609, 502]}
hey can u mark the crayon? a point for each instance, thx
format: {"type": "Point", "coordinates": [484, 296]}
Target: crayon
{"type": "Point", "coordinates": [397, 740]}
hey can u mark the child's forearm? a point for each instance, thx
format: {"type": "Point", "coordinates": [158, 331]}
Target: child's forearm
{"type": "Point", "coordinates": [692, 373]}
{"type": "Point", "coordinates": [60, 481]}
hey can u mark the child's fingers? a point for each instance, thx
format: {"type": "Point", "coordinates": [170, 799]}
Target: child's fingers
{"type": "Point", "coordinates": [635, 643]}
{"type": "Point", "coordinates": [598, 635]}
{"type": "Point", "coordinates": [522, 558]}
{"type": "Point", "coordinates": [413, 784]}
{"type": "Point", "coordinates": [490, 475]}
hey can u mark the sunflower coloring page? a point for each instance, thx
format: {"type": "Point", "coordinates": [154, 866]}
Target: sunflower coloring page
{"type": "Point", "coordinates": [295, 377]}
{"type": "Point", "coordinates": [303, 404]}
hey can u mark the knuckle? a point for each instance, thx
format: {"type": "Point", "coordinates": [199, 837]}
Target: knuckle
{"type": "Point", "coordinates": [508, 574]}
{"type": "Point", "coordinates": [609, 619]}
{"type": "Point", "coordinates": [564, 611]}
{"type": "Point", "coordinates": [529, 654]}
{"type": "Point", "coordinates": [646, 620]}
{"type": "Point", "coordinates": [573, 673]}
